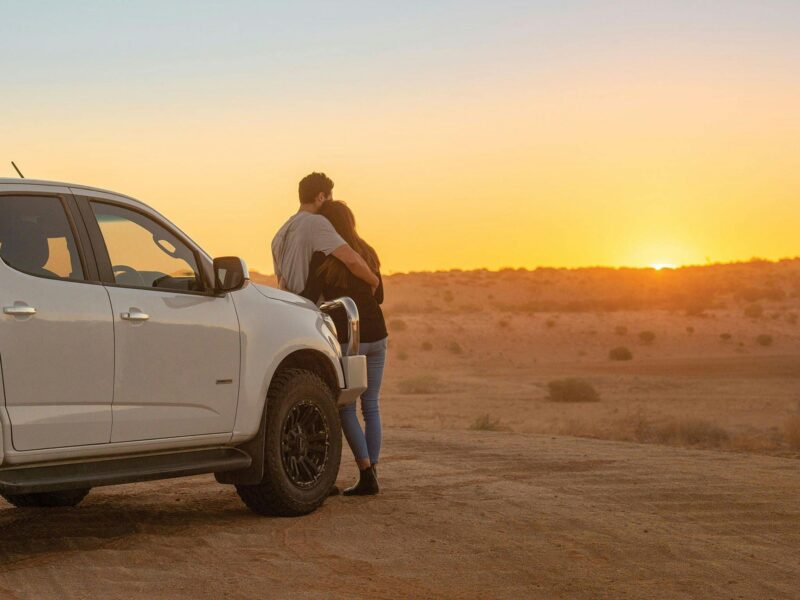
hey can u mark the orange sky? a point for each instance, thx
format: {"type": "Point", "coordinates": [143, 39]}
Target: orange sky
{"type": "Point", "coordinates": [677, 149]}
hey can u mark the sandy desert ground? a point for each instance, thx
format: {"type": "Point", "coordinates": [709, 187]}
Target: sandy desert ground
{"type": "Point", "coordinates": [681, 481]}
{"type": "Point", "coordinates": [464, 515]}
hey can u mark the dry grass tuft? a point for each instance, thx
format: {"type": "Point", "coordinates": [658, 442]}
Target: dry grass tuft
{"type": "Point", "coordinates": [677, 432]}
{"type": "Point", "coordinates": [419, 384]}
{"type": "Point", "coordinates": [486, 423]}
{"type": "Point", "coordinates": [791, 432]}
{"type": "Point", "coordinates": [572, 390]}
{"type": "Point", "coordinates": [427, 346]}
{"type": "Point", "coordinates": [691, 432]}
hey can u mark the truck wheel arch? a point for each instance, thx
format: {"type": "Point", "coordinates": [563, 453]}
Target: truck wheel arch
{"type": "Point", "coordinates": [309, 360]}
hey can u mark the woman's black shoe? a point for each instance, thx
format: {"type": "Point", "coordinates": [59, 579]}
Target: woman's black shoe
{"type": "Point", "coordinates": [367, 484]}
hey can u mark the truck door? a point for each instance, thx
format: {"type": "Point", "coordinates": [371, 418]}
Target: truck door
{"type": "Point", "coordinates": [176, 343]}
{"type": "Point", "coordinates": [56, 329]}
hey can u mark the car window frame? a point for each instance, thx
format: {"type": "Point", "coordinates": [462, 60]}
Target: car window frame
{"type": "Point", "coordinates": [104, 265]}
{"type": "Point", "coordinates": [80, 236]}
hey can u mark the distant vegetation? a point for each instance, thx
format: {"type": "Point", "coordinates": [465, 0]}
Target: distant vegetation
{"type": "Point", "coordinates": [419, 384]}
{"type": "Point", "coordinates": [754, 311]}
{"type": "Point", "coordinates": [791, 432]}
{"type": "Point", "coordinates": [691, 290]}
{"type": "Point", "coordinates": [647, 337]}
{"type": "Point", "coordinates": [620, 353]}
{"type": "Point", "coordinates": [397, 325]}
{"type": "Point", "coordinates": [572, 390]}
{"type": "Point", "coordinates": [764, 340]}
{"type": "Point", "coordinates": [455, 348]}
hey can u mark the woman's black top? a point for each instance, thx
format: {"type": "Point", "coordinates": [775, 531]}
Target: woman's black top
{"type": "Point", "coordinates": [371, 321]}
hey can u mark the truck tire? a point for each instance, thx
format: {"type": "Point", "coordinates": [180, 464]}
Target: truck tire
{"type": "Point", "coordinates": [303, 447]}
{"type": "Point", "coordinates": [47, 499]}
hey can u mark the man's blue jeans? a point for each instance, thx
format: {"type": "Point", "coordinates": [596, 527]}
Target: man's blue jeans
{"type": "Point", "coordinates": [367, 443]}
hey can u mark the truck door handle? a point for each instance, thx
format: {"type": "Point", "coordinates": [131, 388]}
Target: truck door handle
{"type": "Point", "coordinates": [19, 310]}
{"type": "Point", "coordinates": [135, 315]}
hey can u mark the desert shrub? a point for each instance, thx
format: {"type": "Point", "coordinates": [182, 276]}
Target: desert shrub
{"type": "Point", "coordinates": [791, 432]}
{"type": "Point", "coordinates": [427, 346]}
{"type": "Point", "coordinates": [620, 353]}
{"type": "Point", "coordinates": [696, 309]}
{"type": "Point", "coordinates": [402, 355]}
{"type": "Point", "coordinates": [764, 340]}
{"type": "Point", "coordinates": [683, 432]}
{"type": "Point", "coordinates": [690, 432]}
{"type": "Point", "coordinates": [621, 330]}
{"type": "Point", "coordinates": [725, 337]}
{"type": "Point", "coordinates": [486, 423]}
{"type": "Point", "coordinates": [397, 325]}
{"type": "Point", "coordinates": [753, 311]}
{"type": "Point", "coordinates": [419, 384]}
{"type": "Point", "coordinates": [503, 324]}
{"type": "Point", "coordinates": [572, 390]}
{"type": "Point", "coordinates": [690, 330]}
{"type": "Point", "coordinates": [647, 337]}
{"type": "Point", "coordinates": [550, 323]}
{"type": "Point", "coordinates": [455, 348]}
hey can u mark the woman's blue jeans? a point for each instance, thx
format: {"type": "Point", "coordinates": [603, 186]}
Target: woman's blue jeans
{"type": "Point", "coordinates": [366, 443]}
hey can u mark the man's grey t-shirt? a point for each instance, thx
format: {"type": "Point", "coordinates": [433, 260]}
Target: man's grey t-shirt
{"type": "Point", "coordinates": [295, 242]}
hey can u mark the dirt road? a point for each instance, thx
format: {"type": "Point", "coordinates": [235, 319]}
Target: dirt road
{"type": "Point", "coordinates": [464, 514]}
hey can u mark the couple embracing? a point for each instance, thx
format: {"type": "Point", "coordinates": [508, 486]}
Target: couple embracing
{"type": "Point", "coordinates": [318, 254]}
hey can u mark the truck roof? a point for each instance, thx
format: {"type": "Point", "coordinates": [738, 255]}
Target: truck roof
{"type": "Point", "coordinates": [20, 181]}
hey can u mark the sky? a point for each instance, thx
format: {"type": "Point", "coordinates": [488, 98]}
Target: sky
{"type": "Point", "coordinates": [462, 134]}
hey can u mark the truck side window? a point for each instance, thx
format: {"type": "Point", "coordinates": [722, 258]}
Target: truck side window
{"type": "Point", "coordinates": [36, 237]}
{"type": "Point", "coordinates": [145, 254]}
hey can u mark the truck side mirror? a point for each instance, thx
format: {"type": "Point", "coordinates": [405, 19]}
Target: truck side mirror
{"type": "Point", "coordinates": [230, 274]}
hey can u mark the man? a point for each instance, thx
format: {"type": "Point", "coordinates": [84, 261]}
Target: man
{"type": "Point", "coordinates": [307, 232]}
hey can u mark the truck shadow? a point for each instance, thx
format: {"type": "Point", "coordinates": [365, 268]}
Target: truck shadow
{"type": "Point", "coordinates": [110, 520]}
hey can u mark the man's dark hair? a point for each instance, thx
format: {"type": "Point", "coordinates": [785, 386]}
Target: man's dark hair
{"type": "Point", "coordinates": [312, 185]}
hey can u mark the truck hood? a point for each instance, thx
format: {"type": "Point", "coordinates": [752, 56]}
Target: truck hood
{"type": "Point", "coordinates": [281, 295]}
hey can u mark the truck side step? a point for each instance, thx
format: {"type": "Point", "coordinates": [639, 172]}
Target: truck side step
{"type": "Point", "coordinates": [65, 476]}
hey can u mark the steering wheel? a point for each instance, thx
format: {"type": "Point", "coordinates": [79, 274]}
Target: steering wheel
{"type": "Point", "coordinates": [129, 271]}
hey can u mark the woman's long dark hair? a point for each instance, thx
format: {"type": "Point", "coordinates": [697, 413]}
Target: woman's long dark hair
{"type": "Point", "coordinates": [332, 271]}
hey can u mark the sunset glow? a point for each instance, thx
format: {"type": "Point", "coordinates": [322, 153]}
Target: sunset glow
{"type": "Point", "coordinates": [463, 135]}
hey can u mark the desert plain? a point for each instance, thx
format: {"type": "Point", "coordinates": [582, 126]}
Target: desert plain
{"type": "Point", "coordinates": [587, 433]}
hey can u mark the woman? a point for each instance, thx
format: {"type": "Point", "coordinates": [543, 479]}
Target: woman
{"type": "Point", "coordinates": [331, 278]}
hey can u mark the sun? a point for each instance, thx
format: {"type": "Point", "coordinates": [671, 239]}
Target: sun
{"type": "Point", "coordinates": [660, 266]}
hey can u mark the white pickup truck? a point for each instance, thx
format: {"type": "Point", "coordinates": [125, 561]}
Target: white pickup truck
{"type": "Point", "coordinates": [128, 354]}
